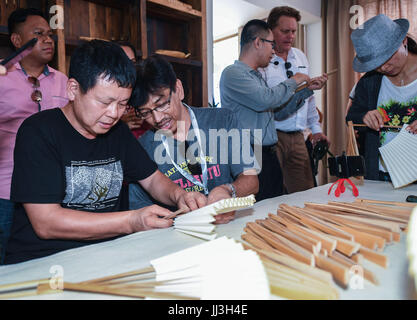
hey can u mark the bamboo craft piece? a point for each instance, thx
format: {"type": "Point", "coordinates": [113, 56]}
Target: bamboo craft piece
{"type": "Point", "coordinates": [353, 150]}
{"type": "Point", "coordinates": [333, 238]}
{"type": "Point", "coordinates": [212, 270]}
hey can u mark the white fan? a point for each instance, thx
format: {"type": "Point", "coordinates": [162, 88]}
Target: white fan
{"type": "Point", "coordinates": [220, 269]}
{"type": "Point", "coordinates": [198, 223]}
{"type": "Point", "coordinates": [399, 156]}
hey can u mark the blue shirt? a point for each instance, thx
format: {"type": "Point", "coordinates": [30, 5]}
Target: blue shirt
{"type": "Point", "coordinates": [245, 92]}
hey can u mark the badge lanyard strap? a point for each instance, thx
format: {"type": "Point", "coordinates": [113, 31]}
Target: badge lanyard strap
{"type": "Point", "coordinates": [203, 161]}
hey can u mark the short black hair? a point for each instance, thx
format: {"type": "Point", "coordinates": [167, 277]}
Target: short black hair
{"type": "Point", "coordinates": [253, 29]}
{"type": "Point", "coordinates": [98, 58]}
{"type": "Point", "coordinates": [154, 74]}
{"type": "Point", "coordinates": [124, 43]}
{"type": "Point", "coordinates": [19, 16]}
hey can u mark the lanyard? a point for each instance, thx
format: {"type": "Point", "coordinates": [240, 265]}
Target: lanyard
{"type": "Point", "coordinates": [203, 161]}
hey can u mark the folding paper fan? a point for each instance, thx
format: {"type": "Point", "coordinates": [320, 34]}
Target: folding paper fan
{"type": "Point", "coordinates": [399, 156]}
{"type": "Point", "coordinates": [216, 270]}
{"type": "Point", "coordinates": [198, 223]}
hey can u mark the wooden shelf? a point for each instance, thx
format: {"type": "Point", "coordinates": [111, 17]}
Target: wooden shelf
{"type": "Point", "coordinates": [177, 8]}
{"type": "Point", "coordinates": [188, 62]}
{"type": "Point", "coordinates": [4, 30]}
{"type": "Point", "coordinates": [148, 24]}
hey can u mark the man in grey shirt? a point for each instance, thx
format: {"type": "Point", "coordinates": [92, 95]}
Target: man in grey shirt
{"type": "Point", "coordinates": [200, 149]}
{"type": "Point", "coordinates": [245, 92]}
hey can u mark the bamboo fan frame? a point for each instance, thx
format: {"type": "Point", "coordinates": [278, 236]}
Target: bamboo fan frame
{"type": "Point", "coordinates": [325, 240]}
{"type": "Point", "coordinates": [352, 149]}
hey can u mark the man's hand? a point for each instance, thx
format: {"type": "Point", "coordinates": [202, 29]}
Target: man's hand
{"type": "Point", "coordinates": [131, 119]}
{"type": "Point", "coordinates": [318, 82]}
{"type": "Point", "coordinates": [219, 193]}
{"type": "Point", "coordinates": [300, 78]}
{"type": "Point", "coordinates": [413, 127]}
{"type": "Point", "coordinates": [3, 70]}
{"type": "Point", "coordinates": [149, 218]}
{"type": "Point", "coordinates": [374, 120]}
{"type": "Point", "coordinates": [190, 201]}
{"type": "Point", "coordinates": [318, 137]}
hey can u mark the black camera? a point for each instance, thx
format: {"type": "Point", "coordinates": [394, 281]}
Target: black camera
{"type": "Point", "coordinates": [346, 166]}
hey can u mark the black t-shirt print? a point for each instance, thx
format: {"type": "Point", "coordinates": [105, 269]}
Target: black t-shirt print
{"type": "Point", "coordinates": [54, 163]}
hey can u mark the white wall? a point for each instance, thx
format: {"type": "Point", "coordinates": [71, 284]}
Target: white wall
{"type": "Point", "coordinates": [314, 55]}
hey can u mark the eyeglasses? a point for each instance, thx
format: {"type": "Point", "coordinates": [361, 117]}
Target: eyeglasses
{"type": "Point", "coordinates": [289, 72]}
{"type": "Point", "coordinates": [192, 164]}
{"type": "Point", "coordinates": [36, 95]}
{"type": "Point", "coordinates": [145, 113]}
{"type": "Point", "coordinates": [272, 42]}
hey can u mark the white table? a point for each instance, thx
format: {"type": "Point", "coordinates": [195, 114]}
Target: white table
{"type": "Point", "coordinates": [135, 251]}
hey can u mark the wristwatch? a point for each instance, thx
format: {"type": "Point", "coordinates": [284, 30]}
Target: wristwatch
{"type": "Point", "coordinates": [232, 189]}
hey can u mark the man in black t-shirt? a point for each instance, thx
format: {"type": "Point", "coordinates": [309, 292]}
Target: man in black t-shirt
{"type": "Point", "coordinates": [69, 164]}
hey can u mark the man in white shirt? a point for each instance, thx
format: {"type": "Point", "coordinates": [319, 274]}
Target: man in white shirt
{"type": "Point", "coordinates": [287, 61]}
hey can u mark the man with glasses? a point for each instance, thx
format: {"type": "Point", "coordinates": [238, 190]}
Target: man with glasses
{"type": "Point", "coordinates": [70, 164]}
{"type": "Point", "coordinates": [29, 86]}
{"type": "Point", "coordinates": [286, 61]}
{"type": "Point", "coordinates": [200, 149]}
{"type": "Point", "coordinates": [245, 92]}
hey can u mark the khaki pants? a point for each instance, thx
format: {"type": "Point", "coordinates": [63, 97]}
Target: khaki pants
{"type": "Point", "coordinates": [295, 162]}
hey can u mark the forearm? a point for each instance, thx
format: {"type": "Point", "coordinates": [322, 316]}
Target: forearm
{"type": "Point", "coordinates": [247, 183]}
{"type": "Point", "coordinates": [162, 189]}
{"type": "Point", "coordinates": [56, 222]}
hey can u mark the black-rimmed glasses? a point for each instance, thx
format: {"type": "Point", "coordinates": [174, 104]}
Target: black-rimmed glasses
{"type": "Point", "coordinates": [145, 113]}
{"type": "Point", "coordinates": [289, 72]}
{"type": "Point", "coordinates": [272, 42]}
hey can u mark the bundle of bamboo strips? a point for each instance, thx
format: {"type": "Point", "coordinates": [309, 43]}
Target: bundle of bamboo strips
{"type": "Point", "coordinates": [330, 238]}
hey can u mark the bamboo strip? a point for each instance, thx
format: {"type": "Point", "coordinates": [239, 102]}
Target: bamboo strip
{"type": "Point", "coordinates": [366, 239]}
{"type": "Point", "coordinates": [346, 247]}
{"type": "Point", "coordinates": [327, 243]}
{"type": "Point", "coordinates": [345, 210]}
{"type": "Point", "coordinates": [379, 259]}
{"type": "Point", "coordinates": [290, 262]}
{"type": "Point", "coordinates": [297, 285]}
{"type": "Point", "coordinates": [278, 220]}
{"type": "Point", "coordinates": [381, 232]}
{"type": "Point", "coordinates": [319, 224]}
{"type": "Point", "coordinates": [22, 285]}
{"type": "Point", "coordinates": [296, 291]}
{"type": "Point", "coordinates": [121, 275]}
{"type": "Point", "coordinates": [392, 203]}
{"type": "Point", "coordinates": [95, 288]}
{"type": "Point", "coordinates": [368, 275]}
{"type": "Point", "coordinates": [290, 236]}
{"type": "Point", "coordinates": [398, 215]}
{"type": "Point", "coordinates": [295, 247]}
{"type": "Point", "coordinates": [401, 212]}
{"type": "Point", "coordinates": [278, 245]}
{"type": "Point", "coordinates": [340, 273]}
{"type": "Point", "coordinates": [256, 241]}
{"type": "Point", "coordinates": [388, 225]}
{"type": "Point", "coordinates": [358, 258]}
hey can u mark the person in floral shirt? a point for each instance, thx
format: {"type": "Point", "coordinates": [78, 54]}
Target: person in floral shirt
{"type": "Point", "coordinates": [387, 94]}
